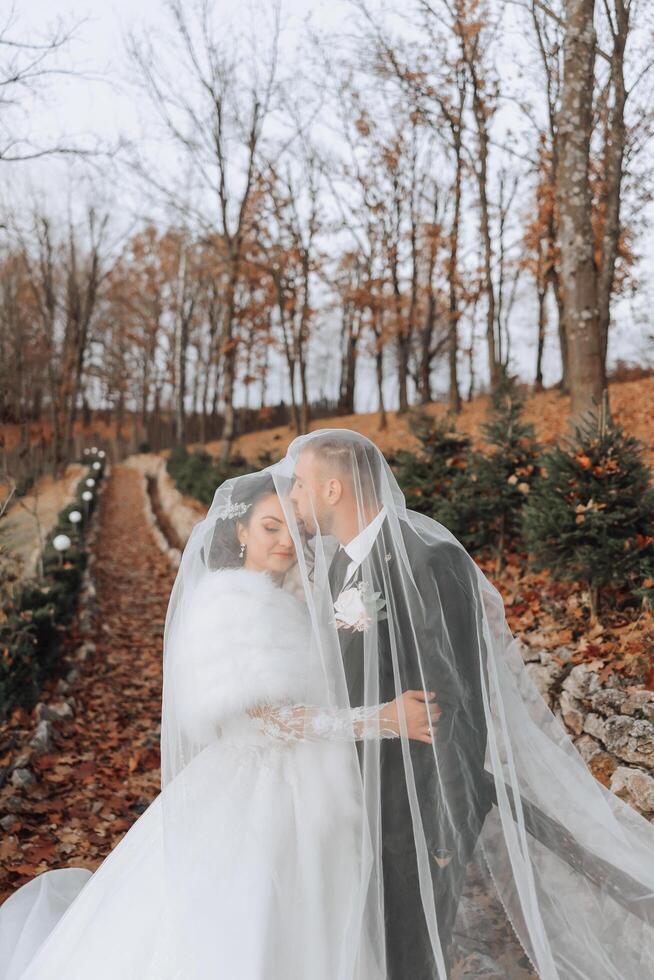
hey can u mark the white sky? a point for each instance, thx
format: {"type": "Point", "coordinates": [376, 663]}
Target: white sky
{"type": "Point", "coordinates": [104, 105]}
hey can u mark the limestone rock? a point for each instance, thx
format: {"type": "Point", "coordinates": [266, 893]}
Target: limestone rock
{"type": "Point", "coordinates": [608, 701]}
{"type": "Point", "coordinates": [84, 651]}
{"type": "Point", "coordinates": [543, 676]}
{"type": "Point", "coordinates": [596, 726]}
{"type": "Point", "coordinates": [631, 739]}
{"type": "Point", "coordinates": [587, 747]}
{"type": "Point", "coordinates": [8, 823]}
{"type": "Point", "coordinates": [553, 656]}
{"type": "Point", "coordinates": [22, 758]}
{"type": "Point", "coordinates": [603, 765]}
{"type": "Point", "coordinates": [581, 682]}
{"type": "Point", "coordinates": [41, 740]}
{"type": "Point", "coordinates": [572, 712]}
{"type": "Point", "coordinates": [639, 701]}
{"type": "Point", "coordinates": [529, 654]}
{"type": "Point", "coordinates": [22, 778]}
{"type": "Point", "coordinates": [54, 712]}
{"type": "Point", "coordinates": [634, 786]}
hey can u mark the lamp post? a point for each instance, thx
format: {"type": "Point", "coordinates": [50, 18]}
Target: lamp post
{"type": "Point", "coordinates": [87, 497]}
{"type": "Point", "coordinates": [75, 517]}
{"type": "Point", "coordinates": [61, 543]}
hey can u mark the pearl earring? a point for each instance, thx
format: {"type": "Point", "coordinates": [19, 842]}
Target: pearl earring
{"type": "Point", "coordinates": [241, 553]}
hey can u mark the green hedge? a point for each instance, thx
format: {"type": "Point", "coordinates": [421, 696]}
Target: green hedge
{"type": "Point", "coordinates": [198, 474]}
{"type": "Point", "coordinates": [32, 613]}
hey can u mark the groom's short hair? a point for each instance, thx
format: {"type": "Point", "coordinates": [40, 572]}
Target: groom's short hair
{"type": "Point", "coordinates": [354, 460]}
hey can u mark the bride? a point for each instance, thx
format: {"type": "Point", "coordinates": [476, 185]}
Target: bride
{"type": "Point", "coordinates": [274, 800]}
{"type": "Point", "coordinates": [360, 779]}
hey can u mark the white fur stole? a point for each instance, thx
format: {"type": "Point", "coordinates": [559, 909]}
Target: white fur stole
{"type": "Point", "coordinates": [244, 641]}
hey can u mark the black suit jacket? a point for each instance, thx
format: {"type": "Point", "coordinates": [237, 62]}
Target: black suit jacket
{"type": "Point", "coordinates": [436, 644]}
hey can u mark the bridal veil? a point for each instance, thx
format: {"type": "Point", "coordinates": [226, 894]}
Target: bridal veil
{"type": "Point", "coordinates": [486, 848]}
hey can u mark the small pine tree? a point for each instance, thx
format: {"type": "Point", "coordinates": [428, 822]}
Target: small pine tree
{"type": "Point", "coordinates": [590, 516]}
{"type": "Point", "coordinates": [503, 477]}
{"type": "Point", "coordinates": [434, 479]}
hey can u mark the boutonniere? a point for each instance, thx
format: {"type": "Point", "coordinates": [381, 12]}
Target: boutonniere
{"type": "Point", "coordinates": [356, 606]}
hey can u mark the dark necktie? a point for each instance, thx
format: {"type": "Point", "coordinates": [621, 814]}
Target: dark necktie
{"type": "Point", "coordinates": [337, 571]}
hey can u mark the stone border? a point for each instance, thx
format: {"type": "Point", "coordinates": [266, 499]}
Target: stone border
{"type": "Point", "coordinates": [611, 724]}
{"type": "Point", "coordinates": [174, 554]}
{"type": "Point", "coordinates": [181, 516]}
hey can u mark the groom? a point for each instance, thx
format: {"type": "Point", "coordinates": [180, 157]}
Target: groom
{"type": "Point", "coordinates": [335, 480]}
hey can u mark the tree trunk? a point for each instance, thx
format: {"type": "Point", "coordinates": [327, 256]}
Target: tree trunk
{"type": "Point", "coordinates": [379, 370]}
{"type": "Point", "coordinates": [289, 353]}
{"type": "Point", "coordinates": [349, 337]}
{"type": "Point", "coordinates": [452, 274]}
{"type": "Point", "coordinates": [542, 322]}
{"type": "Point", "coordinates": [303, 335]}
{"type": "Point", "coordinates": [181, 343]}
{"type": "Point", "coordinates": [228, 350]}
{"type": "Point", "coordinates": [614, 147]}
{"type": "Point", "coordinates": [424, 377]}
{"type": "Point", "coordinates": [378, 330]}
{"type": "Point", "coordinates": [479, 111]}
{"type": "Point", "coordinates": [579, 283]}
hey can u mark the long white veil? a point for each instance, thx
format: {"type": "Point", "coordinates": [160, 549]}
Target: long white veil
{"type": "Point", "coordinates": [485, 849]}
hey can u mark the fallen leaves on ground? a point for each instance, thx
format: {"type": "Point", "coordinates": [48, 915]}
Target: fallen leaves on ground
{"type": "Point", "coordinates": [103, 770]}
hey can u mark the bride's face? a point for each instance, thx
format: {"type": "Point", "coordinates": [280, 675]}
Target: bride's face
{"type": "Point", "coordinates": [268, 543]}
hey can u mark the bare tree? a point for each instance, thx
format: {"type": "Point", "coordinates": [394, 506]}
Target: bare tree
{"type": "Point", "coordinates": [216, 118]}
{"type": "Point", "coordinates": [548, 29]}
{"type": "Point", "coordinates": [27, 67]}
{"type": "Point", "coordinates": [86, 269]}
{"type": "Point", "coordinates": [290, 222]}
{"type": "Point", "coordinates": [435, 78]}
{"type": "Point", "coordinates": [64, 278]}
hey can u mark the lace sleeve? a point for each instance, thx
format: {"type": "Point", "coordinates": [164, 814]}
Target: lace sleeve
{"type": "Point", "coordinates": [315, 723]}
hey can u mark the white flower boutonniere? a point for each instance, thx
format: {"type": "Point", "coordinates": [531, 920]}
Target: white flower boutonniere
{"type": "Point", "coordinates": [355, 607]}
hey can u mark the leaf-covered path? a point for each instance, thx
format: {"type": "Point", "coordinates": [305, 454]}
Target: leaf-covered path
{"type": "Point", "coordinates": [103, 769]}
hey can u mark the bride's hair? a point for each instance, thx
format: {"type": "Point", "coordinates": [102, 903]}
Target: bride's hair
{"type": "Point", "coordinates": [225, 546]}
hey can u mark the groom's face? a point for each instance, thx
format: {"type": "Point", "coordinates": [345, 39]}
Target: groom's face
{"type": "Point", "coordinates": [311, 493]}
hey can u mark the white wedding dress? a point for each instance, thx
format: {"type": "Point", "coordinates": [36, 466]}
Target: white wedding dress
{"type": "Point", "coordinates": [275, 816]}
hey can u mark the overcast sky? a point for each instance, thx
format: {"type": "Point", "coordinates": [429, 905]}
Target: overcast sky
{"type": "Point", "coordinates": [103, 104]}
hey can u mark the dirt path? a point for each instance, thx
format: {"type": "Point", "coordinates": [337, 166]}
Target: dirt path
{"type": "Point", "coordinates": [104, 767]}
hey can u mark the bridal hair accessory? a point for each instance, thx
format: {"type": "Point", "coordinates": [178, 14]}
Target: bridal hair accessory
{"type": "Point", "coordinates": [232, 510]}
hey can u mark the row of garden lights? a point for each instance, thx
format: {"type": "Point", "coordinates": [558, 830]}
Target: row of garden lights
{"type": "Point", "coordinates": [61, 542]}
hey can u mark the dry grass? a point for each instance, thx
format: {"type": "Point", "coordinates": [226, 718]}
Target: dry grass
{"type": "Point", "coordinates": [19, 535]}
{"type": "Point", "coordinates": [632, 406]}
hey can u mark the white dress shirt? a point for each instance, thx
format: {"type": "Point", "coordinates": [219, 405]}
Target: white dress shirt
{"type": "Point", "coordinates": [359, 547]}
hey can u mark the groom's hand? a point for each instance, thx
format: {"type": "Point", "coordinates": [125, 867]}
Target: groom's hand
{"type": "Point", "coordinates": [417, 708]}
